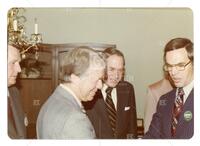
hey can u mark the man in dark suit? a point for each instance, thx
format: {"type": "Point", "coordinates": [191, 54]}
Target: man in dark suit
{"type": "Point", "coordinates": [17, 121]}
{"type": "Point", "coordinates": [174, 117]}
{"type": "Point", "coordinates": [117, 120]}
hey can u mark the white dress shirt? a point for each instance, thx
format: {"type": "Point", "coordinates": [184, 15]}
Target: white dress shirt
{"type": "Point", "coordinates": [187, 89]}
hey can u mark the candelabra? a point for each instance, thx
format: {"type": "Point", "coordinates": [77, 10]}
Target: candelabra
{"type": "Point", "coordinates": [17, 34]}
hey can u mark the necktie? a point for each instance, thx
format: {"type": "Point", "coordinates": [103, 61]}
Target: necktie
{"type": "Point", "coordinates": [111, 109]}
{"type": "Point", "coordinates": [178, 106]}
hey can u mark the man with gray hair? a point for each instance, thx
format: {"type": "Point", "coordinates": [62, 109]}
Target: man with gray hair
{"type": "Point", "coordinates": [63, 116]}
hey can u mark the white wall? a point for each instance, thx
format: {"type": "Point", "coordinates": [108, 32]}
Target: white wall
{"type": "Point", "coordinates": [140, 33]}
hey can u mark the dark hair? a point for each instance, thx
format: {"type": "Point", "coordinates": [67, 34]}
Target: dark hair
{"type": "Point", "coordinates": [178, 43]}
{"type": "Point", "coordinates": [112, 51]}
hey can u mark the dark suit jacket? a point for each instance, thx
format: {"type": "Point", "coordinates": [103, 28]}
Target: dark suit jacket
{"type": "Point", "coordinates": [17, 130]}
{"type": "Point", "coordinates": [161, 123]}
{"type": "Point", "coordinates": [126, 113]}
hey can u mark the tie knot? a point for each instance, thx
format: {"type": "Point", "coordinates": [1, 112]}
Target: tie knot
{"type": "Point", "coordinates": [109, 90]}
{"type": "Point", "coordinates": [180, 91]}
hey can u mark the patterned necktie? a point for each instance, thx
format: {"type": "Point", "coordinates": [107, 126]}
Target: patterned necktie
{"type": "Point", "coordinates": [111, 109]}
{"type": "Point", "coordinates": [178, 106]}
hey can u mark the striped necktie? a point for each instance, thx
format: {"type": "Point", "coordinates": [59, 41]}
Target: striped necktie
{"type": "Point", "coordinates": [111, 109]}
{"type": "Point", "coordinates": [178, 106]}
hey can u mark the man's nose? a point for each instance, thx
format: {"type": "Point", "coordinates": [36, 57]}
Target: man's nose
{"type": "Point", "coordinates": [18, 68]}
{"type": "Point", "coordinates": [116, 74]}
{"type": "Point", "coordinates": [174, 70]}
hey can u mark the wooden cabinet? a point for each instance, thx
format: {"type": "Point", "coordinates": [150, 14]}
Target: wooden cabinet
{"type": "Point", "coordinates": [35, 91]}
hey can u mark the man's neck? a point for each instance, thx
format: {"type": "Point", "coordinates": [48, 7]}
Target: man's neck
{"type": "Point", "coordinates": [74, 90]}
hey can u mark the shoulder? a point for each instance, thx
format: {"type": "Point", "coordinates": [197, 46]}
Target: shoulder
{"type": "Point", "coordinates": [125, 84]}
{"type": "Point", "coordinates": [167, 98]}
{"type": "Point", "coordinates": [60, 105]}
{"type": "Point", "coordinates": [163, 85]}
{"type": "Point", "coordinates": [169, 94]}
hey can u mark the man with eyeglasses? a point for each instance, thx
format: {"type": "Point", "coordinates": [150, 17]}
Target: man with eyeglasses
{"type": "Point", "coordinates": [174, 117]}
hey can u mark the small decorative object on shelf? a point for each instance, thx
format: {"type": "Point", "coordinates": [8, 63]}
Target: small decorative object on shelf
{"type": "Point", "coordinates": [17, 34]}
{"type": "Point", "coordinates": [31, 68]}
{"type": "Point", "coordinates": [140, 128]}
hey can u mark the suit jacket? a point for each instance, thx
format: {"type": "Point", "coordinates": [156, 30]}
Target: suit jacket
{"type": "Point", "coordinates": [61, 117]}
{"type": "Point", "coordinates": [161, 123]}
{"type": "Point", "coordinates": [16, 126]}
{"type": "Point", "coordinates": [154, 92]}
{"type": "Point", "coordinates": [126, 125]}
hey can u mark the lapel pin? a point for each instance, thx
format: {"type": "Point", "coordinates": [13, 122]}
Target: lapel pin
{"type": "Point", "coordinates": [187, 116]}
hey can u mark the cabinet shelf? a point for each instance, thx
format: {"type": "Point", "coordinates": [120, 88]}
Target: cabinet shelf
{"type": "Point", "coordinates": [41, 78]}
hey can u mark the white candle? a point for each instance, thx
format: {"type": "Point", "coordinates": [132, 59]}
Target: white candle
{"type": "Point", "coordinates": [36, 28]}
{"type": "Point", "coordinates": [15, 25]}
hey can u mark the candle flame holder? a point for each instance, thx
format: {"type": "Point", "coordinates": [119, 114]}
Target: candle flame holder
{"type": "Point", "coordinates": [17, 34]}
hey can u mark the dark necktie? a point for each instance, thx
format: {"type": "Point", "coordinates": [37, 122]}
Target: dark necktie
{"type": "Point", "coordinates": [178, 106]}
{"type": "Point", "coordinates": [111, 109]}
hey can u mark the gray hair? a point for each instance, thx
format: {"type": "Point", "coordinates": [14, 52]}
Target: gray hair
{"type": "Point", "coordinates": [78, 60]}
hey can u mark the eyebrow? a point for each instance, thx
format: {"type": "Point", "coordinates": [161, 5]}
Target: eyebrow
{"type": "Point", "coordinates": [177, 63]}
{"type": "Point", "coordinates": [116, 68]}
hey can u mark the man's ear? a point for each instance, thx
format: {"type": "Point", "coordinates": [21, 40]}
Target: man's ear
{"type": "Point", "coordinates": [74, 78]}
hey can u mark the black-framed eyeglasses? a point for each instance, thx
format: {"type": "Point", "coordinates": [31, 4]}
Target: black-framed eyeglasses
{"type": "Point", "coordinates": [179, 67]}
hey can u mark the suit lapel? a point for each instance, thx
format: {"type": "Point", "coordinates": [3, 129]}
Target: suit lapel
{"type": "Point", "coordinates": [188, 106]}
{"type": "Point", "coordinates": [167, 114]}
{"type": "Point", "coordinates": [101, 111]}
{"type": "Point", "coordinates": [167, 120]}
{"type": "Point", "coordinates": [101, 107]}
{"type": "Point", "coordinates": [122, 99]}
{"type": "Point", "coordinates": [119, 106]}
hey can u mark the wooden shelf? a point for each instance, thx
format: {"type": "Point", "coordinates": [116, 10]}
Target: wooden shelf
{"type": "Point", "coordinates": [41, 78]}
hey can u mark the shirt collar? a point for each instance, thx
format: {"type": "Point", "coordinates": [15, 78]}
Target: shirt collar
{"type": "Point", "coordinates": [187, 89]}
{"type": "Point", "coordinates": [104, 87]}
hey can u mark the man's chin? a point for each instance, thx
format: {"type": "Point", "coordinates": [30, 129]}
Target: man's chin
{"type": "Point", "coordinates": [10, 83]}
{"type": "Point", "coordinates": [90, 98]}
{"type": "Point", "coordinates": [112, 84]}
{"type": "Point", "coordinates": [178, 85]}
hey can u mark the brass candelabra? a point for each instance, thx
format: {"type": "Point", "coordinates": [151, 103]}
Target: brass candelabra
{"type": "Point", "coordinates": [17, 34]}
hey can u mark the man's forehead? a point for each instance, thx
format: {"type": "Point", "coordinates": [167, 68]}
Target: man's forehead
{"type": "Point", "coordinates": [13, 53]}
{"type": "Point", "coordinates": [179, 55]}
{"type": "Point", "coordinates": [115, 58]}
{"type": "Point", "coordinates": [115, 61]}
{"type": "Point", "coordinates": [12, 49]}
